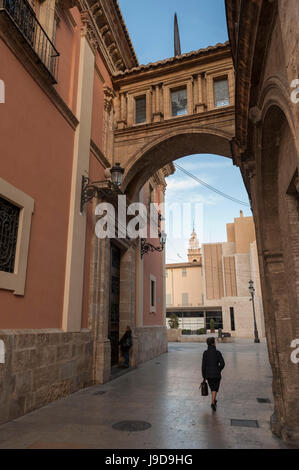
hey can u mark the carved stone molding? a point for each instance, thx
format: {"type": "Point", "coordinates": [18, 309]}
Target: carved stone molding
{"type": "Point", "coordinates": [88, 31]}
{"type": "Point", "coordinates": [255, 115]}
{"type": "Point", "coordinates": [111, 34]}
{"type": "Point", "coordinates": [66, 4]}
{"type": "Point", "coordinates": [109, 95]}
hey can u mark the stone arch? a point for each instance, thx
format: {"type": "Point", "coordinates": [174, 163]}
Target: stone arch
{"type": "Point", "coordinates": [170, 147]}
{"type": "Point", "coordinates": [278, 226]}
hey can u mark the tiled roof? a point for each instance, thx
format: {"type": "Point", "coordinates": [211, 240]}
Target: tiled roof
{"type": "Point", "coordinates": [172, 60]}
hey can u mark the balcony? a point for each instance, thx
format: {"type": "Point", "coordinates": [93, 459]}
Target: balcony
{"type": "Point", "coordinates": [19, 16]}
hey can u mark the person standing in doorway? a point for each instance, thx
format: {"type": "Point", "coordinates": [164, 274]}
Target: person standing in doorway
{"type": "Point", "coordinates": [125, 345]}
{"type": "Point", "coordinates": [212, 365]}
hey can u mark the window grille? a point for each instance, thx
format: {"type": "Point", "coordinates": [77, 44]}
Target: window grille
{"type": "Point", "coordinates": [9, 224]}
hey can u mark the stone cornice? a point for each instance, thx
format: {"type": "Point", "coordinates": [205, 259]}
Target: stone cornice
{"type": "Point", "coordinates": [109, 33]}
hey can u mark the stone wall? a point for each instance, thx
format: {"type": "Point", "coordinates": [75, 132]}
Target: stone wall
{"type": "Point", "coordinates": [152, 341]}
{"type": "Point", "coordinates": [174, 335]}
{"type": "Point", "coordinates": [243, 313]}
{"type": "Point", "coordinates": [42, 366]}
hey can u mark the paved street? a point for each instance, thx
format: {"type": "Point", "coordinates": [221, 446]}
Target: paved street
{"type": "Point", "coordinates": [163, 392]}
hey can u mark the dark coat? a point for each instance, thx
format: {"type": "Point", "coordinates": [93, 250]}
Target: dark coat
{"type": "Point", "coordinates": [126, 341]}
{"type": "Point", "coordinates": [212, 363]}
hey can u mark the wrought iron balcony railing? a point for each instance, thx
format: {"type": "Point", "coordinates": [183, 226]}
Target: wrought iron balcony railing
{"type": "Point", "coordinates": [24, 18]}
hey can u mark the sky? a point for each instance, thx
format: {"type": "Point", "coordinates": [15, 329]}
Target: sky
{"type": "Point", "coordinates": [201, 23]}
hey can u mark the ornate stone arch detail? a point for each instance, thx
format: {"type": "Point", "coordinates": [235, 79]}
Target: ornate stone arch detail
{"type": "Point", "coordinates": [221, 138]}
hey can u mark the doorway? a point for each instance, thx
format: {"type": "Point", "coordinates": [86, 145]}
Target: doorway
{"type": "Point", "coordinates": [113, 327]}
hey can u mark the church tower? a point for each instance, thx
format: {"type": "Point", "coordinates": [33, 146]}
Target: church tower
{"type": "Point", "coordinates": [194, 253]}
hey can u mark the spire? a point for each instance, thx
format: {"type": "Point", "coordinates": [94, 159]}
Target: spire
{"type": "Point", "coordinates": [177, 42]}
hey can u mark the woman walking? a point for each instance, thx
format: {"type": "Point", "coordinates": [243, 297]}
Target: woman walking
{"type": "Point", "coordinates": [125, 346]}
{"type": "Point", "coordinates": [212, 365]}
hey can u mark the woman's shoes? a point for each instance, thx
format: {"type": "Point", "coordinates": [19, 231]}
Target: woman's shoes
{"type": "Point", "coordinates": [213, 406]}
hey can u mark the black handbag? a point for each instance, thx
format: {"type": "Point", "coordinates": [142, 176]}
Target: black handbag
{"type": "Point", "coordinates": [204, 389]}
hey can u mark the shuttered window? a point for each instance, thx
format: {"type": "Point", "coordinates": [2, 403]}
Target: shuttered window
{"type": "Point", "coordinates": [179, 102]}
{"type": "Point", "coordinates": [221, 93]}
{"type": "Point", "coordinates": [140, 104]}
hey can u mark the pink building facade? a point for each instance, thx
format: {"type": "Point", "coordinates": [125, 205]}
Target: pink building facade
{"type": "Point", "coordinates": [65, 295]}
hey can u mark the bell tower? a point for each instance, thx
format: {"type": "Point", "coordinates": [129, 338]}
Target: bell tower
{"type": "Point", "coordinates": [194, 253]}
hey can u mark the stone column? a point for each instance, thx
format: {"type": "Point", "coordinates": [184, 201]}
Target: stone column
{"type": "Point", "coordinates": [122, 124]}
{"type": "Point", "coordinates": [202, 86]}
{"type": "Point", "coordinates": [100, 286]}
{"type": "Point", "coordinates": [157, 113]}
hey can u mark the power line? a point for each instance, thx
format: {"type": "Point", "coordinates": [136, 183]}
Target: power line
{"type": "Point", "coordinates": [215, 190]}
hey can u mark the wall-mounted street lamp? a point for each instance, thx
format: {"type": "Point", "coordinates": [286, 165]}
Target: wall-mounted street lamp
{"type": "Point", "coordinates": [252, 292]}
{"type": "Point", "coordinates": [146, 247]}
{"type": "Point", "coordinates": [89, 189]}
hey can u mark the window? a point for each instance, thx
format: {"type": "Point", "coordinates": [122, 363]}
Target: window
{"type": "Point", "coordinates": [9, 225]}
{"type": "Point", "coordinates": [221, 93]}
{"type": "Point", "coordinates": [217, 317]}
{"type": "Point", "coordinates": [184, 272]}
{"type": "Point", "coordinates": [16, 209]}
{"type": "Point", "coordinates": [232, 319]}
{"type": "Point", "coordinates": [179, 102]}
{"type": "Point", "coordinates": [185, 299]}
{"type": "Point", "coordinates": [140, 109]}
{"type": "Point", "coordinates": [168, 299]}
{"type": "Point", "coordinates": [166, 273]}
{"type": "Point", "coordinates": [152, 293]}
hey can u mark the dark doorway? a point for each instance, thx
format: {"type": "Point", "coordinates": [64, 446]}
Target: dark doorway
{"type": "Point", "coordinates": [113, 331]}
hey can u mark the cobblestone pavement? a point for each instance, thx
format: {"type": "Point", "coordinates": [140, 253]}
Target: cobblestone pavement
{"type": "Point", "coordinates": [163, 392]}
